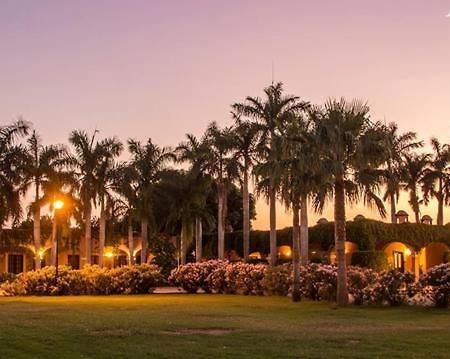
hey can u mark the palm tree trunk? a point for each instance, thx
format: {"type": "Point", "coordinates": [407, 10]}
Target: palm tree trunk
{"type": "Point", "coordinates": [340, 238]}
{"type": "Point", "coordinates": [53, 249]}
{"type": "Point", "coordinates": [440, 214]}
{"type": "Point", "coordinates": [246, 216]}
{"type": "Point", "coordinates": [37, 235]}
{"type": "Point", "coordinates": [85, 248]}
{"type": "Point", "coordinates": [273, 227]}
{"type": "Point", "coordinates": [131, 241]}
{"type": "Point", "coordinates": [393, 209]}
{"type": "Point", "coordinates": [296, 294]}
{"type": "Point", "coordinates": [102, 234]}
{"type": "Point", "coordinates": [198, 239]}
{"type": "Point", "coordinates": [144, 235]}
{"type": "Point", "coordinates": [187, 233]}
{"type": "Point", "coordinates": [220, 222]}
{"type": "Point", "coordinates": [304, 233]}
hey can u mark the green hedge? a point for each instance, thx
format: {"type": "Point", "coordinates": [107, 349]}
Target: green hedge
{"type": "Point", "coordinates": [369, 235]}
{"type": "Point", "coordinates": [376, 260]}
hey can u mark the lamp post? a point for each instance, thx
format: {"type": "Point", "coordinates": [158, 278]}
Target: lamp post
{"type": "Point", "coordinates": [57, 205]}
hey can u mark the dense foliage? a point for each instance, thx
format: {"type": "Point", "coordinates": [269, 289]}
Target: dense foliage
{"type": "Point", "coordinates": [91, 280]}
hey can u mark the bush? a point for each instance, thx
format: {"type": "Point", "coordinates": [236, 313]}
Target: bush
{"type": "Point", "coordinates": [318, 281]}
{"type": "Point", "coordinates": [358, 279]}
{"type": "Point", "coordinates": [6, 277]}
{"type": "Point", "coordinates": [436, 285]}
{"type": "Point", "coordinates": [89, 280]}
{"type": "Point", "coordinates": [376, 260]}
{"type": "Point", "coordinates": [278, 280]}
{"type": "Point", "coordinates": [393, 287]}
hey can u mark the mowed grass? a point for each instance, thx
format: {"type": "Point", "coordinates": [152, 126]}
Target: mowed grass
{"type": "Point", "coordinates": [215, 326]}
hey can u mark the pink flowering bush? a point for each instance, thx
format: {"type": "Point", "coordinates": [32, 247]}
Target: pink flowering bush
{"type": "Point", "coordinates": [358, 280]}
{"type": "Point", "coordinates": [318, 281]}
{"type": "Point", "coordinates": [436, 285]}
{"type": "Point", "coordinates": [278, 280]}
{"type": "Point", "coordinates": [393, 287]}
{"type": "Point", "coordinates": [89, 280]}
{"type": "Point", "coordinates": [194, 276]}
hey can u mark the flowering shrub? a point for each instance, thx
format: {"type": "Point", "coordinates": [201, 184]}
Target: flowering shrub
{"type": "Point", "coordinates": [278, 280]}
{"type": "Point", "coordinates": [436, 285]}
{"type": "Point", "coordinates": [193, 276]}
{"type": "Point", "coordinates": [358, 280]}
{"type": "Point", "coordinates": [220, 277]}
{"type": "Point", "coordinates": [393, 287]}
{"type": "Point", "coordinates": [89, 280]}
{"type": "Point", "coordinates": [318, 281]}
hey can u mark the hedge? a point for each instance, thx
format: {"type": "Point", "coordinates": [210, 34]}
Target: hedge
{"type": "Point", "coordinates": [376, 260]}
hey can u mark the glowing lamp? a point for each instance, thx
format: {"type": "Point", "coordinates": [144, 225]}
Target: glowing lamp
{"type": "Point", "coordinates": [58, 204]}
{"type": "Point", "coordinates": [109, 254]}
{"type": "Point", "coordinates": [407, 252]}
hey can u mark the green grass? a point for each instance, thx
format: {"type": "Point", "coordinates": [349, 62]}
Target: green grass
{"type": "Point", "coordinates": [208, 326]}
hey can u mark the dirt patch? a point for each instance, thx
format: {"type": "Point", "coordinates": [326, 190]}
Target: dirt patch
{"type": "Point", "coordinates": [118, 333]}
{"type": "Point", "coordinates": [200, 331]}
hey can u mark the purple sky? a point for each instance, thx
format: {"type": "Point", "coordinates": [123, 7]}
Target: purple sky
{"type": "Point", "coordinates": [163, 68]}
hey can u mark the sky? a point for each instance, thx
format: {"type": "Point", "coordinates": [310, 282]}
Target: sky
{"type": "Point", "coordinates": [161, 69]}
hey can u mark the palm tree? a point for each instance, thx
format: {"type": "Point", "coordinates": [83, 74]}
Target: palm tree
{"type": "Point", "coordinates": [351, 150]}
{"type": "Point", "coordinates": [414, 171]}
{"type": "Point", "coordinates": [269, 113]}
{"type": "Point", "coordinates": [437, 178]}
{"type": "Point", "coordinates": [12, 169]}
{"type": "Point", "coordinates": [245, 136]}
{"type": "Point", "coordinates": [397, 145]}
{"type": "Point", "coordinates": [87, 160]}
{"type": "Point", "coordinates": [105, 178]}
{"type": "Point", "coordinates": [194, 152]}
{"type": "Point", "coordinates": [299, 180]}
{"type": "Point", "coordinates": [125, 185]}
{"type": "Point", "coordinates": [185, 193]}
{"type": "Point", "coordinates": [148, 161]}
{"type": "Point", "coordinates": [43, 162]}
{"type": "Point", "coordinates": [222, 169]}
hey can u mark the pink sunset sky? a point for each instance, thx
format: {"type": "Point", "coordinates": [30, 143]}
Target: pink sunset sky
{"type": "Point", "coordinates": [160, 69]}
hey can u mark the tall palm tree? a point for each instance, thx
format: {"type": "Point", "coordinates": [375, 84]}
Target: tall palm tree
{"type": "Point", "coordinates": [300, 179]}
{"type": "Point", "coordinates": [351, 150]}
{"type": "Point", "coordinates": [125, 185]}
{"type": "Point", "coordinates": [245, 137]}
{"type": "Point", "coordinates": [414, 171]}
{"type": "Point", "coordinates": [437, 177]}
{"type": "Point", "coordinates": [222, 169]}
{"type": "Point", "coordinates": [89, 155]}
{"type": "Point", "coordinates": [148, 161]}
{"type": "Point", "coordinates": [397, 145]}
{"type": "Point", "coordinates": [43, 162]}
{"type": "Point", "coordinates": [194, 152]}
{"type": "Point", "coordinates": [269, 113]}
{"type": "Point", "coordinates": [104, 183]}
{"type": "Point", "coordinates": [185, 193]}
{"type": "Point", "coordinates": [13, 161]}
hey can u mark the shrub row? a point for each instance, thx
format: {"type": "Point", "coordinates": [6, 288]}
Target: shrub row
{"type": "Point", "coordinates": [89, 280]}
{"type": "Point", "coordinates": [318, 282]}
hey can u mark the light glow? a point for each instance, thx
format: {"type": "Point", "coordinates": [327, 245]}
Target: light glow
{"type": "Point", "coordinates": [58, 204]}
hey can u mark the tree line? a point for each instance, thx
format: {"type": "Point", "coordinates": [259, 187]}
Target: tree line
{"type": "Point", "coordinates": [302, 154]}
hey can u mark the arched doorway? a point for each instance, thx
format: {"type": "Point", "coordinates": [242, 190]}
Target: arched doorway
{"type": "Point", "coordinates": [400, 256]}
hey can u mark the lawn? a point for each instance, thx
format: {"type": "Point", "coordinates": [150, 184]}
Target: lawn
{"type": "Point", "coordinates": [209, 326]}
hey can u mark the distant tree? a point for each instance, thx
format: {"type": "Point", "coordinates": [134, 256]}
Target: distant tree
{"type": "Point", "coordinates": [88, 157]}
{"type": "Point", "coordinates": [414, 171]}
{"type": "Point", "coordinates": [352, 151]}
{"type": "Point", "coordinates": [436, 179]}
{"type": "Point", "coordinates": [397, 145]}
{"type": "Point", "coordinates": [268, 114]}
{"type": "Point", "coordinates": [12, 170]}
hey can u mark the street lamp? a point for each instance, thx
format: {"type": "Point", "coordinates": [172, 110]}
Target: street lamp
{"type": "Point", "coordinates": [57, 205]}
